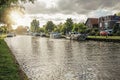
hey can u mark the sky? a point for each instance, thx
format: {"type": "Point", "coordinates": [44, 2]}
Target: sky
{"type": "Point", "coordinates": [59, 10]}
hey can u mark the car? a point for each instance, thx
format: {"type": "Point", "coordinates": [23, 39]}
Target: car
{"type": "Point", "coordinates": [104, 33]}
{"type": "Point", "coordinates": [110, 32]}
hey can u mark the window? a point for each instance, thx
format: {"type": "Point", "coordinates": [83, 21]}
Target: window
{"type": "Point", "coordinates": [106, 25]}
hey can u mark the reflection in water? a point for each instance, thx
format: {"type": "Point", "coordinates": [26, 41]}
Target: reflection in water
{"type": "Point", "coordinates": [59, 59]}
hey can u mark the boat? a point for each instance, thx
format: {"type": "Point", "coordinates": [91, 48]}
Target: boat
{"type": "Point", "coordinates": [43, 35]}
{"type": "Point", "coordinates": [11, 35]}
{"type": "Point", "coordinates": [35, 34]}
{"type": "Point", "coordinates": [76, 36]}
{"type": "Point", "coordinates": [55, 35]}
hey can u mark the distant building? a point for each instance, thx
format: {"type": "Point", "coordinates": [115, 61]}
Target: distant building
{"type": "Point", "coordinates": [105, 23]}
{"type": "Point", "coordinates": [108, 22]}
{"type": "Point", "coordinates": [92, 23]}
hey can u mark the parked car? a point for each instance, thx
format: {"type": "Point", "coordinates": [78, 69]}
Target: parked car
{"type": "Point", "coordinates": [110, 32]}
{"type": "Point", "coordinates": [104, 33]}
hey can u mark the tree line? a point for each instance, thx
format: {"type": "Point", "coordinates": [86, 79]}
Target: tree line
{"type": "Point", "coordinates": [64, 28]}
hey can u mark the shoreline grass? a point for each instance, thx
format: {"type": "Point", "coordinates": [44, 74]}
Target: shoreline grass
{"type": "Point", "coordinates": [9, 68]}
{"type": "Point", "coordinates": [104, 37]}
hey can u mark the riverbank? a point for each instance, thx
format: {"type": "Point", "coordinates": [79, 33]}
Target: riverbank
{"type": "Point", "coordinates": [9, 67]}
{"type": "Point", "coordinates": [104, 38]}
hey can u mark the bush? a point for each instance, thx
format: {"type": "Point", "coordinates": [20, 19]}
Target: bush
{"type": "Point", "coordinates": [93, 31]}
{"type": "Point", "coordinates": [117, 33]}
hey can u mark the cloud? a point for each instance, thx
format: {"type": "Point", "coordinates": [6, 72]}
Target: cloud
{"type": "Point", "coordinates": [70, 6]}
{"type": "Point", "coordinates": [99, 13]}
{"type": "Point", "coordinates": [86, 6]}
{"type": "Point", "coordinates": [41, 6]}
{"type": "Point", "coordinates": [78, 10]}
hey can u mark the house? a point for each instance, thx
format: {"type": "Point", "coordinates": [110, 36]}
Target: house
{"type": "Point", "coordinates": [108, 22]}
{"type": "Point", "coordinates": [92, 23]}
{"type": "Point", "coordinates": [104, 23]}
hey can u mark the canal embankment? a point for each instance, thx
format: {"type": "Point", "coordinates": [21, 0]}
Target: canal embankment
{"type": "Point", "coordinates": [9, 67]}
{"type": "Point", "coordinates": [104, 38]}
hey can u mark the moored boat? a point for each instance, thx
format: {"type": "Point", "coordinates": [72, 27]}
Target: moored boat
{"type": "Point", "coordinates": [55, 35]}
{"type": "Point", "coordinates": [76, 36]}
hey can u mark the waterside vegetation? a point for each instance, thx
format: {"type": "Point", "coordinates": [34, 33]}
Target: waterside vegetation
{"type": "Point", "coordinates": [9, 68]}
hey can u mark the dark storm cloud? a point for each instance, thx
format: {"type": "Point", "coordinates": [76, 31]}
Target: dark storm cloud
{"type": "Point", "coordinates": [73, 6]}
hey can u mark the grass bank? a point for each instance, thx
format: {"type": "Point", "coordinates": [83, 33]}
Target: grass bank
{"type": "Point", "coordinates": [9, 68]}
{"type": "Point", "coordinates": [104, 38]}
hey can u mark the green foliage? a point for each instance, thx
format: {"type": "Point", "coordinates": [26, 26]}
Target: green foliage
{"type": "Point", "coordinates": [118, 14]}
{"type": "Point", "coordinates": [93, 31]}
{"type": "Point", "coordinates": [75, 28]}
{"type": "Point", "coordinates": [58, 28]}
{"type": "Point", "coordinates": [3, 29]}
{"type": "Point", "coordinates": [41, 29]}
{"type": "Point", "coordinates": [34, 26]}
{"type": "Point", "coordinates": [116, 29]}
{"type": "Point", "coordinates": [49, 27]}
{"type": "Point", "coordinates": [118, 33]}
{"type": "Point", "coordinates": [68, 25]}
{"type": "Point", "coordinates": [6, 6]}
{"type": "Point", "coordinates": [8, 67]}
{"type": "Point", "coordinates": [80, 27]}
{"type": "Point", "coordinates": [62, 28]}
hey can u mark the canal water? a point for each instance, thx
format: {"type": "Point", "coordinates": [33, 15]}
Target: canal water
{"type": "Point", "coordinates": [60, 59]}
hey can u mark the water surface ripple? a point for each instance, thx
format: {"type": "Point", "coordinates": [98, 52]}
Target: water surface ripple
{"type": "Point", "coordinates": [60, 59]}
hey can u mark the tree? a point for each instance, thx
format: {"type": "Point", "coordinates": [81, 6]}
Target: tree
{"type": "Point", "coordinates": [80, 27]}
{"type": "Point", "coordinates": [75, 28]}
{"type": "Point", "coordinates": [41, 29]}
{"type": "Point", "coordinates": [6, 6]}
{"type": "Point", "coordinates": [35, 25]}
{"type": "Point", "coordinates": [49, 26]}
{"type": "Point", "coordinates": [68, 25]}
{"type": "Point", "coordinates": [116, 29]}
{"type": "Point", "coordinates": [58, 28]}
{"type": "Point", "coordinates": [63, 29]}
{"type": "Point", "coordinates": [118, 14]}
{"type": "Point", "coordinates": [21, 30]}
{"type": "Point", "coordinates": [3, 29]}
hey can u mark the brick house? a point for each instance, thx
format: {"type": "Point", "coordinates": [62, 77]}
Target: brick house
{"type": "Point", "coordinates": [108, 22]}
{"type": "Point", "coordinates": [92, 23]}
{"type": "Point", "coordinates": [104, 23]}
